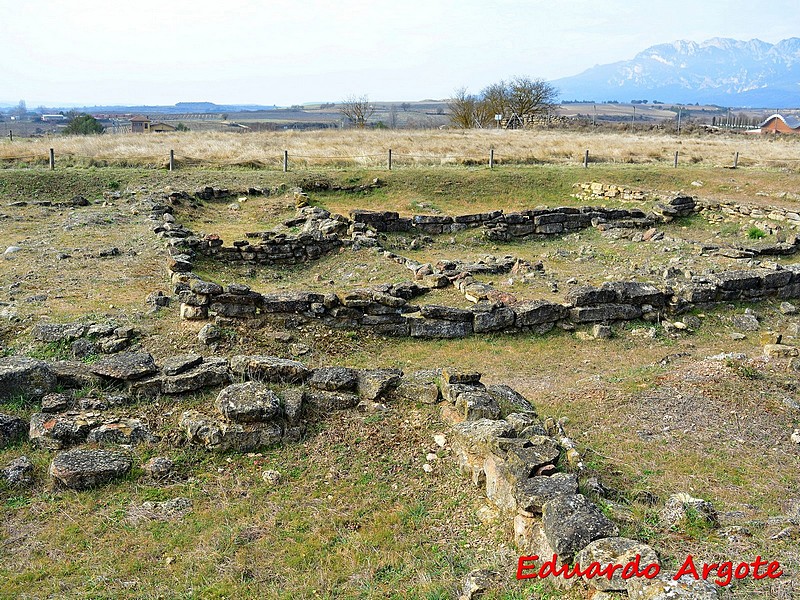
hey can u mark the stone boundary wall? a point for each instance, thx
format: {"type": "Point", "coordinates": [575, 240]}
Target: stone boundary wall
{"type": "Point", "coordinates": [387, 309]}
{"type": "Point", "coordinates": [594, 190]}
{"type": "Point", "coordinates": [324, 232]}
{"type": "Point", "coordinates": [774, 213]}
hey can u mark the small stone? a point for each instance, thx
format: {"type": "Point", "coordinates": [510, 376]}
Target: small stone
{"type": "Point", "coordinates": [795, 437]}
{"type": "Point", "coordinates": [477, 583]}
{"type": "Point", "coordinates": [158, 467]}
{"type": "Point", "coordinates": [271, 477]}
{"type": "Point", "coordinates": [681, 505]}
{"type": "Point", "coordinates": [54, 403]}
{"type": "Point", "coordinates": [209, 334]}
{"type": "Point", "coordinates": [18, 472]}
{"type": "Point", "coordinates": [12, 249]}
{"type": "Point", "coordinates": [83, 469]}
{"type": "Point", "coordinates": [427, 468]}
{"type": "Point", "coordinates": [788, 308]}
{"type": "Point", "coordinates": [440, 440]}
{"type": "Point", "coordinates": [299, 349]}
{"type": "Point", "coordinates": [601, 332]}
{"type": "Point", "coordinates": [12, 428]}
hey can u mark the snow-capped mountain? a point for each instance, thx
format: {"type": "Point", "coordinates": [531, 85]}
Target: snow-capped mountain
{"type": "Point", "coordinates": [718, 71]}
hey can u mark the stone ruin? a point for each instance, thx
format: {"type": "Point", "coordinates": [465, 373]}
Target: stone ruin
{"type": "Point", "coordinates": [388, 309]}
{"type": "Point", "coordinates": [526, 465]}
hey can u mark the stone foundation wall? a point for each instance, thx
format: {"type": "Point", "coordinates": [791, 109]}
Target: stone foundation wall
{"type": "Point", "coordinates": [388, 310]}
{"type": "Point", "coordinates": [594, 190]}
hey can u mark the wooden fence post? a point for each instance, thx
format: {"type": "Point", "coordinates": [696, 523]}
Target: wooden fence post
{"type": "Point", "coordinates": [285, 161]}
{"type": "Point", "coordinates": [586, 160]}
{"type": "Point", "coordinates": [735, 160]}
{"type": "Point", "coordinates": [491, 158]}
{"type": "Point", "coordinates": [10, 135]}
{"type": "Point", "coordinates": [390, 159]}
{"type": "Point", "coordinates": [52, 160]}
{"type": "Point", "coordinates": [172, 160]}
{"type": "Point", "coordinates": [676, 159]}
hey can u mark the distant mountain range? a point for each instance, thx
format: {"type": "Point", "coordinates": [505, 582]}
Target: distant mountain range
{"type": "Point", "coordinates": [720, 71]}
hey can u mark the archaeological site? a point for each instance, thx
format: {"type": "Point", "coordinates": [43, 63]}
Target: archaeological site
{"type": "Point", "coordinates": [419, 383]}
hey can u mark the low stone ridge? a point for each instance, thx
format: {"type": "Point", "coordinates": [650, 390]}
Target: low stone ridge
{"type": "Point", "coordinates": [125, 366]}
{"type": "Point", "coordinates": [85, 338]}
{"type": "Point", "coordinates": [269, 369]}
{"type": "Point", "coordinates": [82, 469]}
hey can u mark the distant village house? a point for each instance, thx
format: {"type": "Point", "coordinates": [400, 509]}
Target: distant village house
{"type": "Point", "coordinates": [140, 125]}
{"type": "Point", "coordinates": [144, 125]}
{"type": "Point", "coordinates": [780, 124]}
{"type": "Point", "coordinates": [161, 127]}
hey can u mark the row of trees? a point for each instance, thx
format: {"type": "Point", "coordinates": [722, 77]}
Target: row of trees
{"type": "Point", "coordinates": [518, 97]}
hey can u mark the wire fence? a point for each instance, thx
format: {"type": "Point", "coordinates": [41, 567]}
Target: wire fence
{"type": "Point", "coordinates": [388, 160]}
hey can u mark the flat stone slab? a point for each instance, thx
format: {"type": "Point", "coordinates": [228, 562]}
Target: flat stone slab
{"type": "Point", "coordinates": [82, 469]}
{"type": "Point", "coordinates": [533, 493]}
{"type": "Point", "coordinates": [220, 435]}
{"type": "Point", "coordinates": [58, 332]}
{"type": "Point", "coordinates": [209, 373]}
{"type": "Point", "coordinates": [248, 402]}
{"type": "Point", "coordinates": [323, 401]}
{"type": "Point", "coordinates": [334, 379]}
{"type": "Point", "coordinates": [616, 551]}
{"type": "Point", "coordinates": [572, 522]}
{"type": "Point", "coordinates": [126, 366]}
{"type": "Point", "coordinates": [179, 364]}
{"type": "Point", "coordinates": [269, 369]}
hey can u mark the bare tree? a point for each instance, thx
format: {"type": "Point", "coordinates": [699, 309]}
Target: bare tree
{"type": "Point", "coordinates": [357, 109]}
{"type": "Point", "coordinates": [530, 96]}
{"type": "Point", "coordinates": [495, 99]}
{"type": "Point", "coordinates": [393, 116]}
{"type": "Point", "coordinates": [462, 108]}
{"type": "Point", "coordinates": [513, 100]}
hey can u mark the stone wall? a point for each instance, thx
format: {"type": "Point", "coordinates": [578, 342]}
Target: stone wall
{"type": "Point", "coordinates": [387, 309]}
{"type": "Point", "coordinates": [594, 190]}
{"type": "Point", "coordinates": [787, 217]}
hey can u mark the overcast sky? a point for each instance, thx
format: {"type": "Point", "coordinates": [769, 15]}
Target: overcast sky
{"type": "Point", "coordinates": [295, 51]}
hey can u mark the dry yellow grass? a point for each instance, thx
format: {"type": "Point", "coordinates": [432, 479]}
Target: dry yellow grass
{"type": "Point", "coordinates": [424, 147]}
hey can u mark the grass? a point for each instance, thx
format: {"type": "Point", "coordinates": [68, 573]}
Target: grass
{"type": "Point", "coordinates": [358, 148]}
